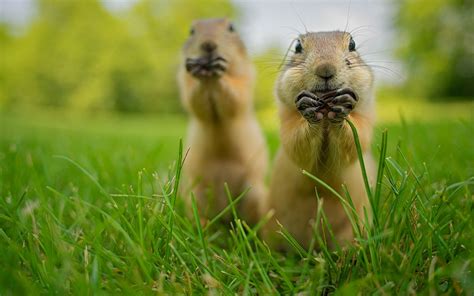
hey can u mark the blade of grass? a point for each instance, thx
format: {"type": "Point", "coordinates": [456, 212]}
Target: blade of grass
{"type": "Point", "coordinates": [363, 169]}
{"type": "Point", "coordinates": [380, 170]}
{"type": "Point", "coordinates": [174, 196]}
{"type": "Point", "coordinates": [228, 208]}
{"type": "Point", "coordinates": [199, 229]}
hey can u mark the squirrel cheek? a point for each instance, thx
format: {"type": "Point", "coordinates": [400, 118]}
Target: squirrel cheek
{"type": "Point", "coordinates": [286, 86]}
{"type": "Point", "coordinates": [287, 77]}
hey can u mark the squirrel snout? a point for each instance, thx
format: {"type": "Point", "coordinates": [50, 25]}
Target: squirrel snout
{"type": "Point", "coordinates": [208, 46]}
{"type": "Point", "coordinates": [326, 71]}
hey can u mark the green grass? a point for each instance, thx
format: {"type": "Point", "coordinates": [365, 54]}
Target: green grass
{"type": "Point", "coordinates": [89, 205]}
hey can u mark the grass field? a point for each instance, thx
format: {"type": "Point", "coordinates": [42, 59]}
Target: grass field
{"type": "Point", "coordinates": [89, 206]}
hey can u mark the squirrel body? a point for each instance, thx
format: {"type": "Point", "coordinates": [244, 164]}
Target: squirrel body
{"type": "Point", "coordinates": [224, 138]}
{"type": "Point", "coordinates": [316, 138]}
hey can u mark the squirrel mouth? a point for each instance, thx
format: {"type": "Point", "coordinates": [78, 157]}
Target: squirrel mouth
{"type": "Point", "coordinates": [207, 66]}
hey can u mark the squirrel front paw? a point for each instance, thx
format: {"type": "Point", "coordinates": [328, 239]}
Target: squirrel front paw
{"type": "Point", "coordinates": [206, 67]}
{"type": "Point", "coordinates": [310, 106]}
{"type": "Point", "coordinates": [342, 104]}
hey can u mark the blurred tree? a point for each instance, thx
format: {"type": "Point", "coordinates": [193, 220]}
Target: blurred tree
{"type": "Point", "coordinates": [267, 65]}
{"type": "Point", "coordinates": [436, 42]}
{"type": "Point", "coordinates": [77, 54]}
{"type": "Point", "coordinates": [5, 39]}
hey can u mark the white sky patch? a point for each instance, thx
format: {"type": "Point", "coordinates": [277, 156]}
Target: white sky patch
{"type": "Point", "coordinates": [118, 5]}
{"type": "Point", "coordinates": [16, 12]}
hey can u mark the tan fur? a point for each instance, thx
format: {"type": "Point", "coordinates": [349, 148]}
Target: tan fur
{"type": "Point", "coordinates": [325, 149]}
{"type": "Point", "coordinates": [224, 139]}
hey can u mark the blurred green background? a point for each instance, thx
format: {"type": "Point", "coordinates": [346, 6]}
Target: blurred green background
{"type": "Point", "coordinates": [78, 55]}
{"type": "Point", "coordinates": [81, 56]}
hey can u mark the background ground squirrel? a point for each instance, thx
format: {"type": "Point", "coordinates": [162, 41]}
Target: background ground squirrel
{"type": "Point", "coordinates": [323, 82]}
{"type": "Point", "coordinates": [224, 139]}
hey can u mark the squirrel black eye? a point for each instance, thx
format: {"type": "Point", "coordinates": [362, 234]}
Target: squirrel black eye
{"type": "Point", "coordinates": [298, 47]}
{"type": "Point", "coordinates": [191, 32]}
{"type": "Point", "coordinates": [352, 45]}
{"type": "Point", "coordinates": [231, 28]}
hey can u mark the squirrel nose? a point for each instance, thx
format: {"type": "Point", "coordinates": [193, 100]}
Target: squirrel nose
{"type": "Point", "coordinates": [208, 46]}
{"type": "Point", "coordinates": [326, 71]}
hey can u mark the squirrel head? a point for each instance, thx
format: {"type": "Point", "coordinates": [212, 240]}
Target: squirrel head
{"type": "Point", "coordinates": [215, 47]}
{"type": "Point", "coordinates": [323, 62]}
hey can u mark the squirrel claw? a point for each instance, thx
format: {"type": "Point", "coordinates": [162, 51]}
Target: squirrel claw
{"type": "Point", "coordinates": [206, 67]}
{"type": "Point", "coordinates": [308, 94]}
{"type": "Point", "coordinates": [310, 106]}
{"type": "Point", "coordinates": [341, 106]}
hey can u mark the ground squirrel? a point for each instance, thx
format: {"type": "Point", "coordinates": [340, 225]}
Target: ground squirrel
{"type": "Point", "coordinates": [323, 82]}
{"type": "Point", "coordinates": [225, 142]}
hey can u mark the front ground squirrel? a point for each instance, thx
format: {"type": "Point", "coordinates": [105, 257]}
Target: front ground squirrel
{"type": "Point", "coordinates": [324, 82]}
